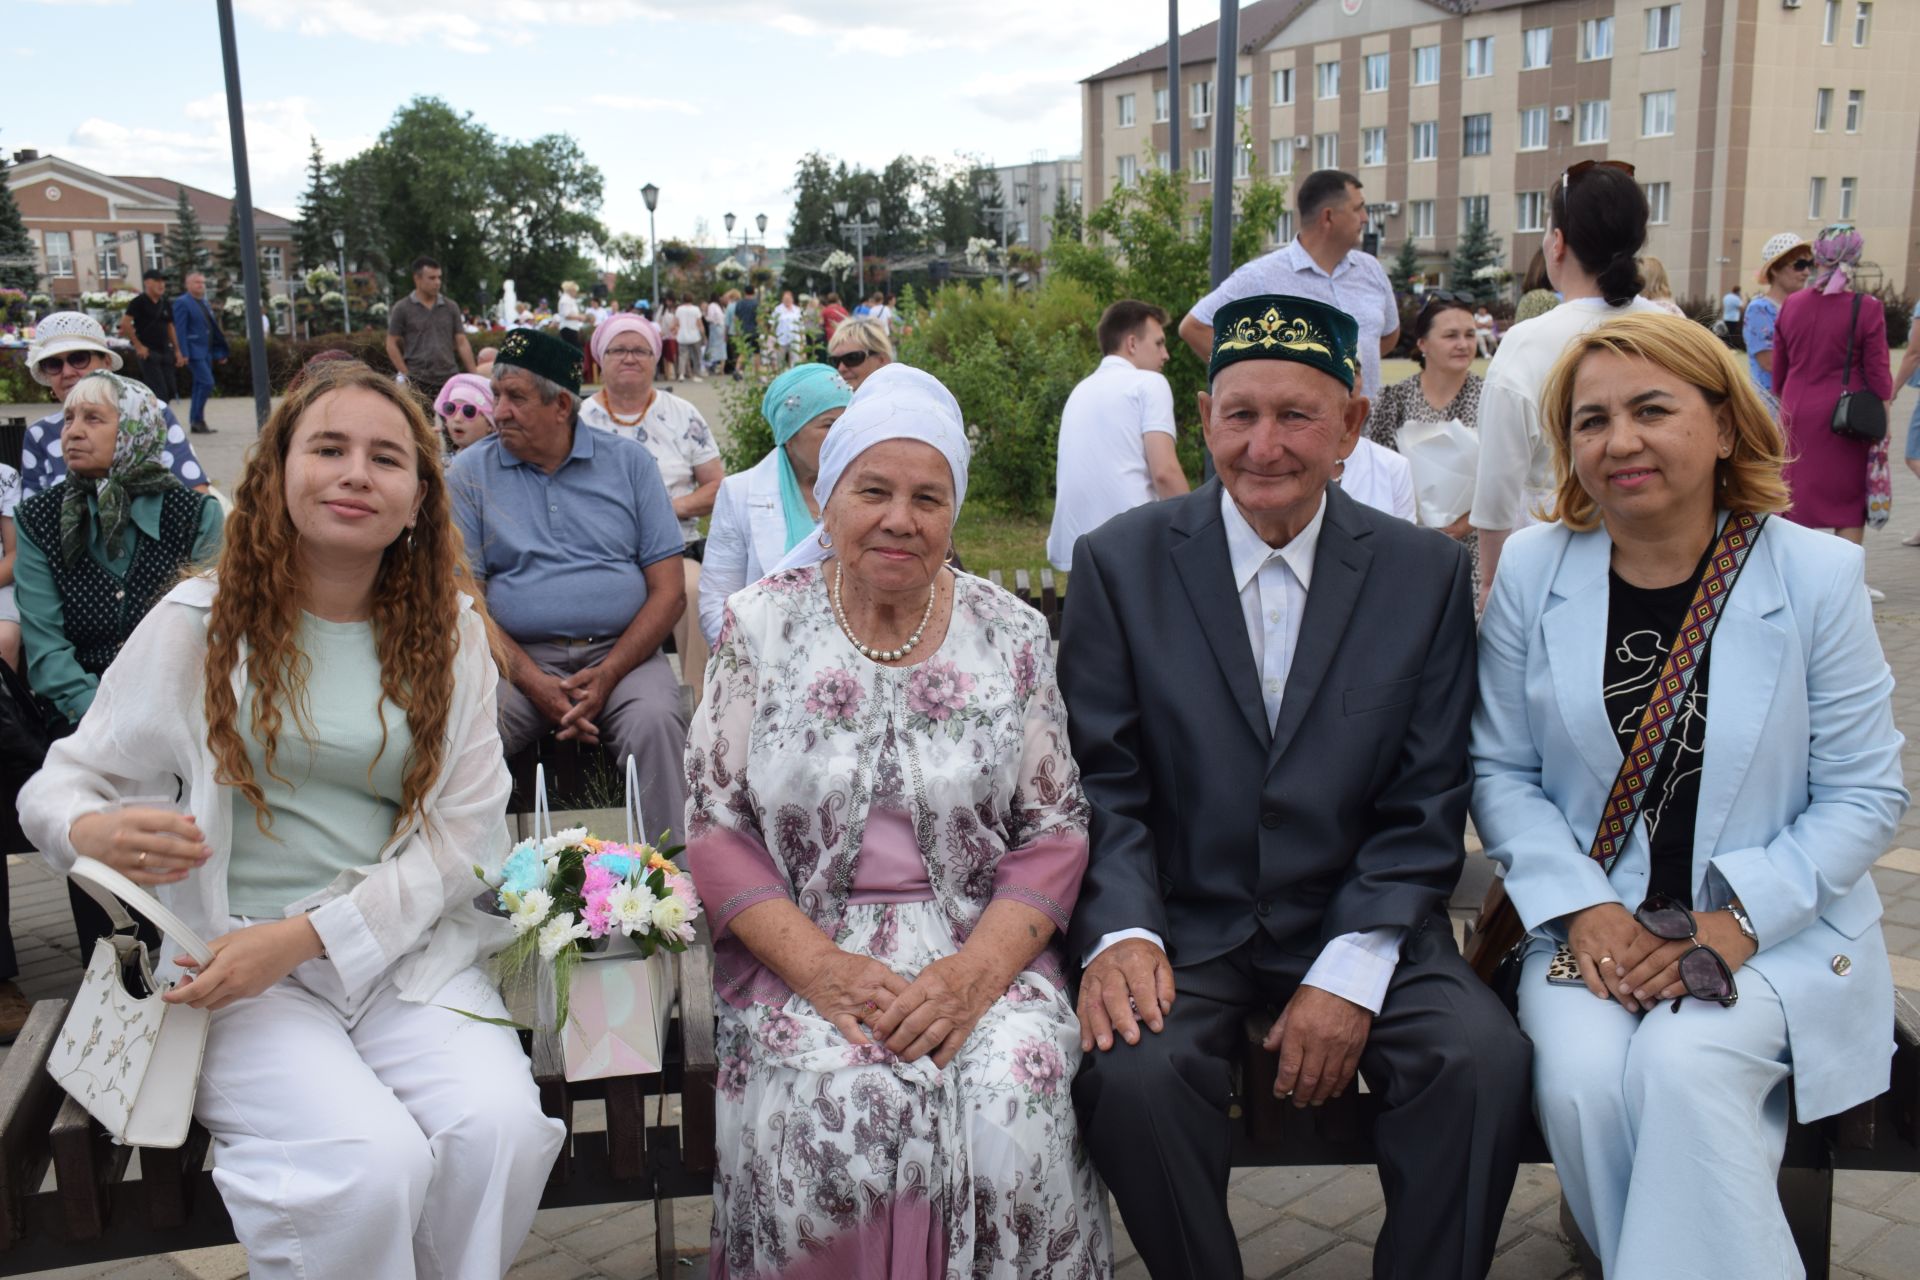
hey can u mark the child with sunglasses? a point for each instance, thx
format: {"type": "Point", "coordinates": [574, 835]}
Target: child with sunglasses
{"type": "Point", "coordinates": [465, 410]}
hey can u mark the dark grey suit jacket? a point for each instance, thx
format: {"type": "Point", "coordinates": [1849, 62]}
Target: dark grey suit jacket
{"type": "Point", "coordinates": [1348, 813]}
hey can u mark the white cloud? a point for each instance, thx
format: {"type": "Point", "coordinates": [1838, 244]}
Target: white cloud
{"type": "Point", "coordinates": [1018, 96]}
{"type": "Point", "coordinates": [631, 102]}
{"type": "Point", "coordinates": [473, 28]}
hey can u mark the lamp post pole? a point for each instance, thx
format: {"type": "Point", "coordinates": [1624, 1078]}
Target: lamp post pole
{"type": "Point", "coordinates": [651, 194]}
{"type": "Point", "coordinates": [243, 202]}
{"type": "Point", "coordinates": [340, 245]}
{"type": "Point", "coordinates": [858, 230]}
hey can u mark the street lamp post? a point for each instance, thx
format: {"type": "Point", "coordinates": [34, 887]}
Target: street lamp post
{"type": "Point", "coordinates": [858, 230]}
{"type": "Point", "coordinates": [987, 188]}
{"type": "Point", "coordinates": [340, 244]}
{"type": "Point", "coordinates": [651, 194]}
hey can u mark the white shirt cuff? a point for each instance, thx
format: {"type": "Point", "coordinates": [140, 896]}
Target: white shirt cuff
{"type": "Point", "coordinates": [1107, 940]}
{"type": "Point", "coordinates": [1358, 966]}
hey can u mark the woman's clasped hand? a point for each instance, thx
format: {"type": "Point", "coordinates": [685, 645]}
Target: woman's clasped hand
{"type": "Point", "coordinates": [847, 989]}
{"type": "Point", "coordinates": [1620, 959]}
{"type": "Point", "coordinates": [938, 1010]}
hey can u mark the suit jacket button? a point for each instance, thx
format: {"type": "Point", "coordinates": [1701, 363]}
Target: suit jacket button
{"type": "Point", "coordinates": [1263, 907]}
{"type": "Point", "coordinates": [1842, 965]}
{"type": "Point", "coordinates": [1269, 820]}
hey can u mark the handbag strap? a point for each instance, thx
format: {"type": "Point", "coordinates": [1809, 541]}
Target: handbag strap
{"type": "Point", "coordinates": [109, 888]}
{"type": "Point", "coordinates": [1846, 370]}
{"type": "Point", "coordinates": [542, 820]}
{"type": "Point", "coordinates": [1642, 762]}
{"type": "Point", "coordinates": [636, 820]}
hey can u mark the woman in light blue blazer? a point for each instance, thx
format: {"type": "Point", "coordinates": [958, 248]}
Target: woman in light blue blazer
{"type": "Point", "coordinates": [1781, 786]}
{"type": "Point", "coordinates": [760, 513]}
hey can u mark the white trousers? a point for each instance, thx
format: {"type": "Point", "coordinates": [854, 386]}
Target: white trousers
{"type": "Point", "coordinates": [1666, 1128]}
{"type": "Point", "coordinates": [374, 1138]}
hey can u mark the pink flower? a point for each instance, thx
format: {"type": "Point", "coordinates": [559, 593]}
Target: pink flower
{"type": "Point", "coordinates": [1026, 672]}
{"type": "Point", "coordinates": [732, 1080]}
{"type": "Point", "coordinates": [599, 883]}
{"type": "Point", "coordinates": [780, 1033]}
{"type": "Point", "coordinates": [938, 690]}
{"type": "Point", "coordinates": [1037, 1065]}
{"type": "Point", "coordinates": [835, 696]}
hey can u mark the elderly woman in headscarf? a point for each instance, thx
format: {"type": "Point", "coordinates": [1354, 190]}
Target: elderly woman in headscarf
{"type": "Point", "coordinates": [889, 834]}
{"type": "Point", "coordinates": [1829, 337]}
{"type": "Point", "coordinates": [767, 510]}
{"type": "Point", "coordinates": [97, 549]}
{"type": "Point", "coordinates": [628, 404]}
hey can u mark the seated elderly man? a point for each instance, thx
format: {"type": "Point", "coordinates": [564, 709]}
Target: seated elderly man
{"type": "Point", "coordinates": [1268, 691]}
{"type": "Point", "coordinates": [574, 538]}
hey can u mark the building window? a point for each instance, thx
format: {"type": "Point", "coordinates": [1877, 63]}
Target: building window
{"type": "Point", "coordinates": [1533, 129]}
{"type": "Point", "coordinates": [1200, 99]}
{"type": "Point", "coordinates": [1126, 111]}
{"type": "Point", "coordinates": [1073, 191]}
{"type": "Point", "coordinates": [1822, 109]}
{"type": "Point", "coordinates": [1856, 105]}
{"type": "Point", "coordinates": [1426, 140]}
{"type": "Point", "coordinates": [108, 247]}
{"type": "Point", "coordinates": [1663, 27]}
{"type": "Point", "coordinates": [1659, 201]}
{"type": "Point", "coordinates": [60, 253]}
{"type": "Point", "coordinates": [1159, 106]}
{"type": "Point", "coordinates": [1326, 151]}
{"type": "Point", "coordinates": [1200, 168]}
{"type": "Point", "coordinates": [1426, 64]}
{"type": "Point", "coordinates": [1420, 219]}
{"type": "Point", "coordinates": [1594, 115]}
{"type": "Point", "coordinates": [1129, 171]}
{"type": "Point", "coordinates": [1164, 160]}
{"type": "Point", "coordinates": [1849, 189]}
{"type": "Point", "coordinates": [1831, 22]}
{"type": "Point", "coordinates": [1530, 211]}
{"type": "Point", "coordinates": [1816, 197]}
{"type": "Point", "coordinates": [1243, 161]}
{"type": "Point", "coordinates": [1474, 209]}
{"type": "Point", "coordinates": [1596, 39]}
{"type": "Point", "coordinates": [1862, 23]}
{"type": "Point", "coordinates": [1479, 57]}
{"type": "Point", "coordinates": [1373, 146]}
{"type": "Point", "coordinates": [1283, 229]}
{"type": "Point", "coordinates": [1243, 92]}
{"type": "Point", "coordinates": [1282, 157]}
{"type": "Point", "coordinates": [1536, 48]}
{"type": "Point", "coordinates": [1283, 87]}
{"type": "Point", "coordinates": [1326, 79]}
{"type": "Point", "coordinates": [1376, 73]}
{"type": "Point", "coordinates": [153, 251]}
{"type": "Point", "coordinates": [1656, 114]}
{"type": "Point", "coordinates": [1476, 135]}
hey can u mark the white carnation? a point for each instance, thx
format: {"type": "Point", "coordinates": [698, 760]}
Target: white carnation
{"type": "Point", "coordinates": [670, 913]}
{"type": "Point", "coordinates": [567, 839]}
{"type": "Point", "coordinates": [558, 932]}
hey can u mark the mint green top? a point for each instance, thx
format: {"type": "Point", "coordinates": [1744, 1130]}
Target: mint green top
{"type": "Point", "coordinates": [339, 811]}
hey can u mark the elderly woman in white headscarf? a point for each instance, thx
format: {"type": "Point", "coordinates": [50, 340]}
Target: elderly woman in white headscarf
{"type": "Point", "coordinates": [889, 833]}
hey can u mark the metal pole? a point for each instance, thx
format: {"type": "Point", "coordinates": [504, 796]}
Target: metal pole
{"type": "Point", "coordinates": [1005, 285]}
{"type": "Point", "coordinates": [243, 198]}
{"type": "Point", "coordinates": [860, 256]}
{"type": "Point", "coordinates": [346, 319]}
{"type": "Point", "coordinates": [1173, 85]}
{"type": "Point", "coordinates": [1226, 69]}
{"type": "Point", "coordinates": [653, 243]}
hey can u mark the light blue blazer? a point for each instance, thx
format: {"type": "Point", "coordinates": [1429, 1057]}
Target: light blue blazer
{"type": "Point", "coordinates": [746, 538]}
{"type": "Point", "coordinates": [1800, 785]}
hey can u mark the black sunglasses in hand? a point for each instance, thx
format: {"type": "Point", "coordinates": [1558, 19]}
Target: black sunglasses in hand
{"type": "Point", "coordinates": [1703, 972]}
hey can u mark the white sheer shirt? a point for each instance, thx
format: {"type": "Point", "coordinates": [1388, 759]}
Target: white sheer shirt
{"type": "Point", "coordinates": [1273, 584]}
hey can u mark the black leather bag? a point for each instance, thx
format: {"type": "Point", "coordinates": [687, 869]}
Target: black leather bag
{"type": "Point", "coordinates": [1859, 415]}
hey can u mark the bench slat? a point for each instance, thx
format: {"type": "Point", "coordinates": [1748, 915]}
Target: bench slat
{"type": "Point", "coordinates": [29, 1100]}
{"type": "Point", "coordinates": [86, 1164]}
{"type": "Point", "coordinates": [172, 1178]}
{"type": "Point", "coordinates": [699, 1067]}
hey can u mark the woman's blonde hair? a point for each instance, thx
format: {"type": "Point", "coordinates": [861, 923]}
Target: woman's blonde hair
{"type": "Point", "coordinates": [864, 332]}
{"type": "Point", "coordinates": [416, 605]}
{"type": "Point", "coordinates": [1653, 276]}
{"type": "Point", "coordinates": [1747, 480]}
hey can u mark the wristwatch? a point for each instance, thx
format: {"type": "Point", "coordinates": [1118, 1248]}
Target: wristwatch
{"type": "Point", "coordinates": [1741, 918]}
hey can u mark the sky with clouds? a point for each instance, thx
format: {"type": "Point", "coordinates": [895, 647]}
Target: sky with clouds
{"type": "Point", "coordinates": [713, 100]}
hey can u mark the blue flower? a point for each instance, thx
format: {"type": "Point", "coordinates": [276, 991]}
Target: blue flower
{"type": "Point", "coordinates": [525, 869]}
{"type": "Point", "coordinates": [619, 865]}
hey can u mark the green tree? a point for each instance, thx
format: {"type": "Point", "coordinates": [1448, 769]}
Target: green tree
{"type": "Point", "coordinates": [541, 223]}
{"type": "Point", "coordinates": [1405, 267]}
{"type": "Point", "coordinates": [186, 249]}
{"type": "Point", "coordinates": [319, 214]}
{"type": "Point", "coordinates": [17, 256]}
{"type": "Point", "coordinates": [1478, 249]}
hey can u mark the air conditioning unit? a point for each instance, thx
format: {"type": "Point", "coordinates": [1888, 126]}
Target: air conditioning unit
{"type": "Point", "coordinates": [1563, 115]}
{"type": "Point", "coordinates": [1789, 4]}
{"type": "Point", "coordinates": [1301, 142]}
{"type": "Point", "coordinates": [1200, 121]}
{"type": "Point", "coordinates": [1393, 208]}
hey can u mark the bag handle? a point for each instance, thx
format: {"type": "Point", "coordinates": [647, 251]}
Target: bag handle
{"type": "Point", "coordinates": [1846, 370]}
{"type": "Point", "coordinates": [636, 821]}
{"type": "Point", "coordinates": [542, 819]}
{"type": "Point", "coordinates": [109, 888]}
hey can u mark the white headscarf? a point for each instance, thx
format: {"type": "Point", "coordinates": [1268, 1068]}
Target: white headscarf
{"type": "Point", "coordinates": [896, 402]}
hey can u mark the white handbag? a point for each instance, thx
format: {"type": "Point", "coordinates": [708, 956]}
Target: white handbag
{"type": "Point", "coordinates": [133, 1061]}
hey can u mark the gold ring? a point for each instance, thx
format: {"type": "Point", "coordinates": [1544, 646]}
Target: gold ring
{"type": "Point", "coordinates": [143, 857]}
{"type": "Point", "coordinates": [1606, 959]}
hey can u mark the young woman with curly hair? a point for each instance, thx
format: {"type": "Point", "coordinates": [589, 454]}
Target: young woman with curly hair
{"type": "Point", "coordinates": [322, 708]}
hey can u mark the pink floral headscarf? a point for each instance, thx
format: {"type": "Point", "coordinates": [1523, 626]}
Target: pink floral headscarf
{"type": "Point", "coordinates": [1835, 250]}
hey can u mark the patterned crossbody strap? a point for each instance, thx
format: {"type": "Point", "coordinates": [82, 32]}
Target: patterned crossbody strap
{"type": "Point", "coordinates": [1637, 771]}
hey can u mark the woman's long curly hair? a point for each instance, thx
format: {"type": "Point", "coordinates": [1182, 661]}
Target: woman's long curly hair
{"type": "Point", "coordinates": [416, 605]}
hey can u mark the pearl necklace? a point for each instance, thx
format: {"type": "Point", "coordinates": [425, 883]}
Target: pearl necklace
{"type": "Point", "coordinates": [867, 651]}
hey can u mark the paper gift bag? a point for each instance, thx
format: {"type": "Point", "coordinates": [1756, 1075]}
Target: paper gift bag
{"type": "Point", "coordinates": [1445, 459]}
{"type": "Point", "coordinates": [617, 1010]}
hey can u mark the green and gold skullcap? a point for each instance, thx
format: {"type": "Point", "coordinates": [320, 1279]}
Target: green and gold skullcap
{"type": "Point", "coordinates": [542, 353]}
{"type": "Point", "coordinates": [1279, 326]}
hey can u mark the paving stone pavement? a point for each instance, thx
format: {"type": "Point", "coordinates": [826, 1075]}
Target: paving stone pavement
{"type": "Point", "coordinates": [1314, 1224]}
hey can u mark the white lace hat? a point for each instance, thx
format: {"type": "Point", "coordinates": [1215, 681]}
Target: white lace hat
{"type": "Point", "coordinates": [1779, 247]}
{"type": "Point", "coordinates": [65, 331]}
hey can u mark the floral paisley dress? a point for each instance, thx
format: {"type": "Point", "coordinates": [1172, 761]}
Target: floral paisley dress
{"type": "Point", "coordinates": [842, 1162]}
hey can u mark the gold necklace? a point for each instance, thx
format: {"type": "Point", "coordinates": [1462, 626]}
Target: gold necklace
{"type": "Point", "coordinates": [866, 650]}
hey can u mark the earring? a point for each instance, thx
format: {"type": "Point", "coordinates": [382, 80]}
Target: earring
{"type": "Point", "coordinates": [824, 538]}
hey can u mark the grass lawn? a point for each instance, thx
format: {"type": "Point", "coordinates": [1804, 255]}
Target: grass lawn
{"type": "Point", "coordinates": [990, 539]}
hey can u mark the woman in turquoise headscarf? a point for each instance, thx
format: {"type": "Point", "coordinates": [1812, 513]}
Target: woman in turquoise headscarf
{"type": "Point", "coordinates": [97, 549]}
{"type": "Point", "coordinates": [763, 513]}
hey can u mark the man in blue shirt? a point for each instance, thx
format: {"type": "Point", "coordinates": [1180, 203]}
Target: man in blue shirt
{"type": "Point", "coordinates": [203, 344]}
{"type": "Point", "coordinates": [574, 539]}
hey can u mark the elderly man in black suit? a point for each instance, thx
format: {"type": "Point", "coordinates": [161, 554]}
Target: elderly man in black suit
{"type": "Point", "coordinates": [1268, 690]}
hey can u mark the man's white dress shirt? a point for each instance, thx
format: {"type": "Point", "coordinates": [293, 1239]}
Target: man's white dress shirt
{"type": "Point", "coordinates": [1273, 584]}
